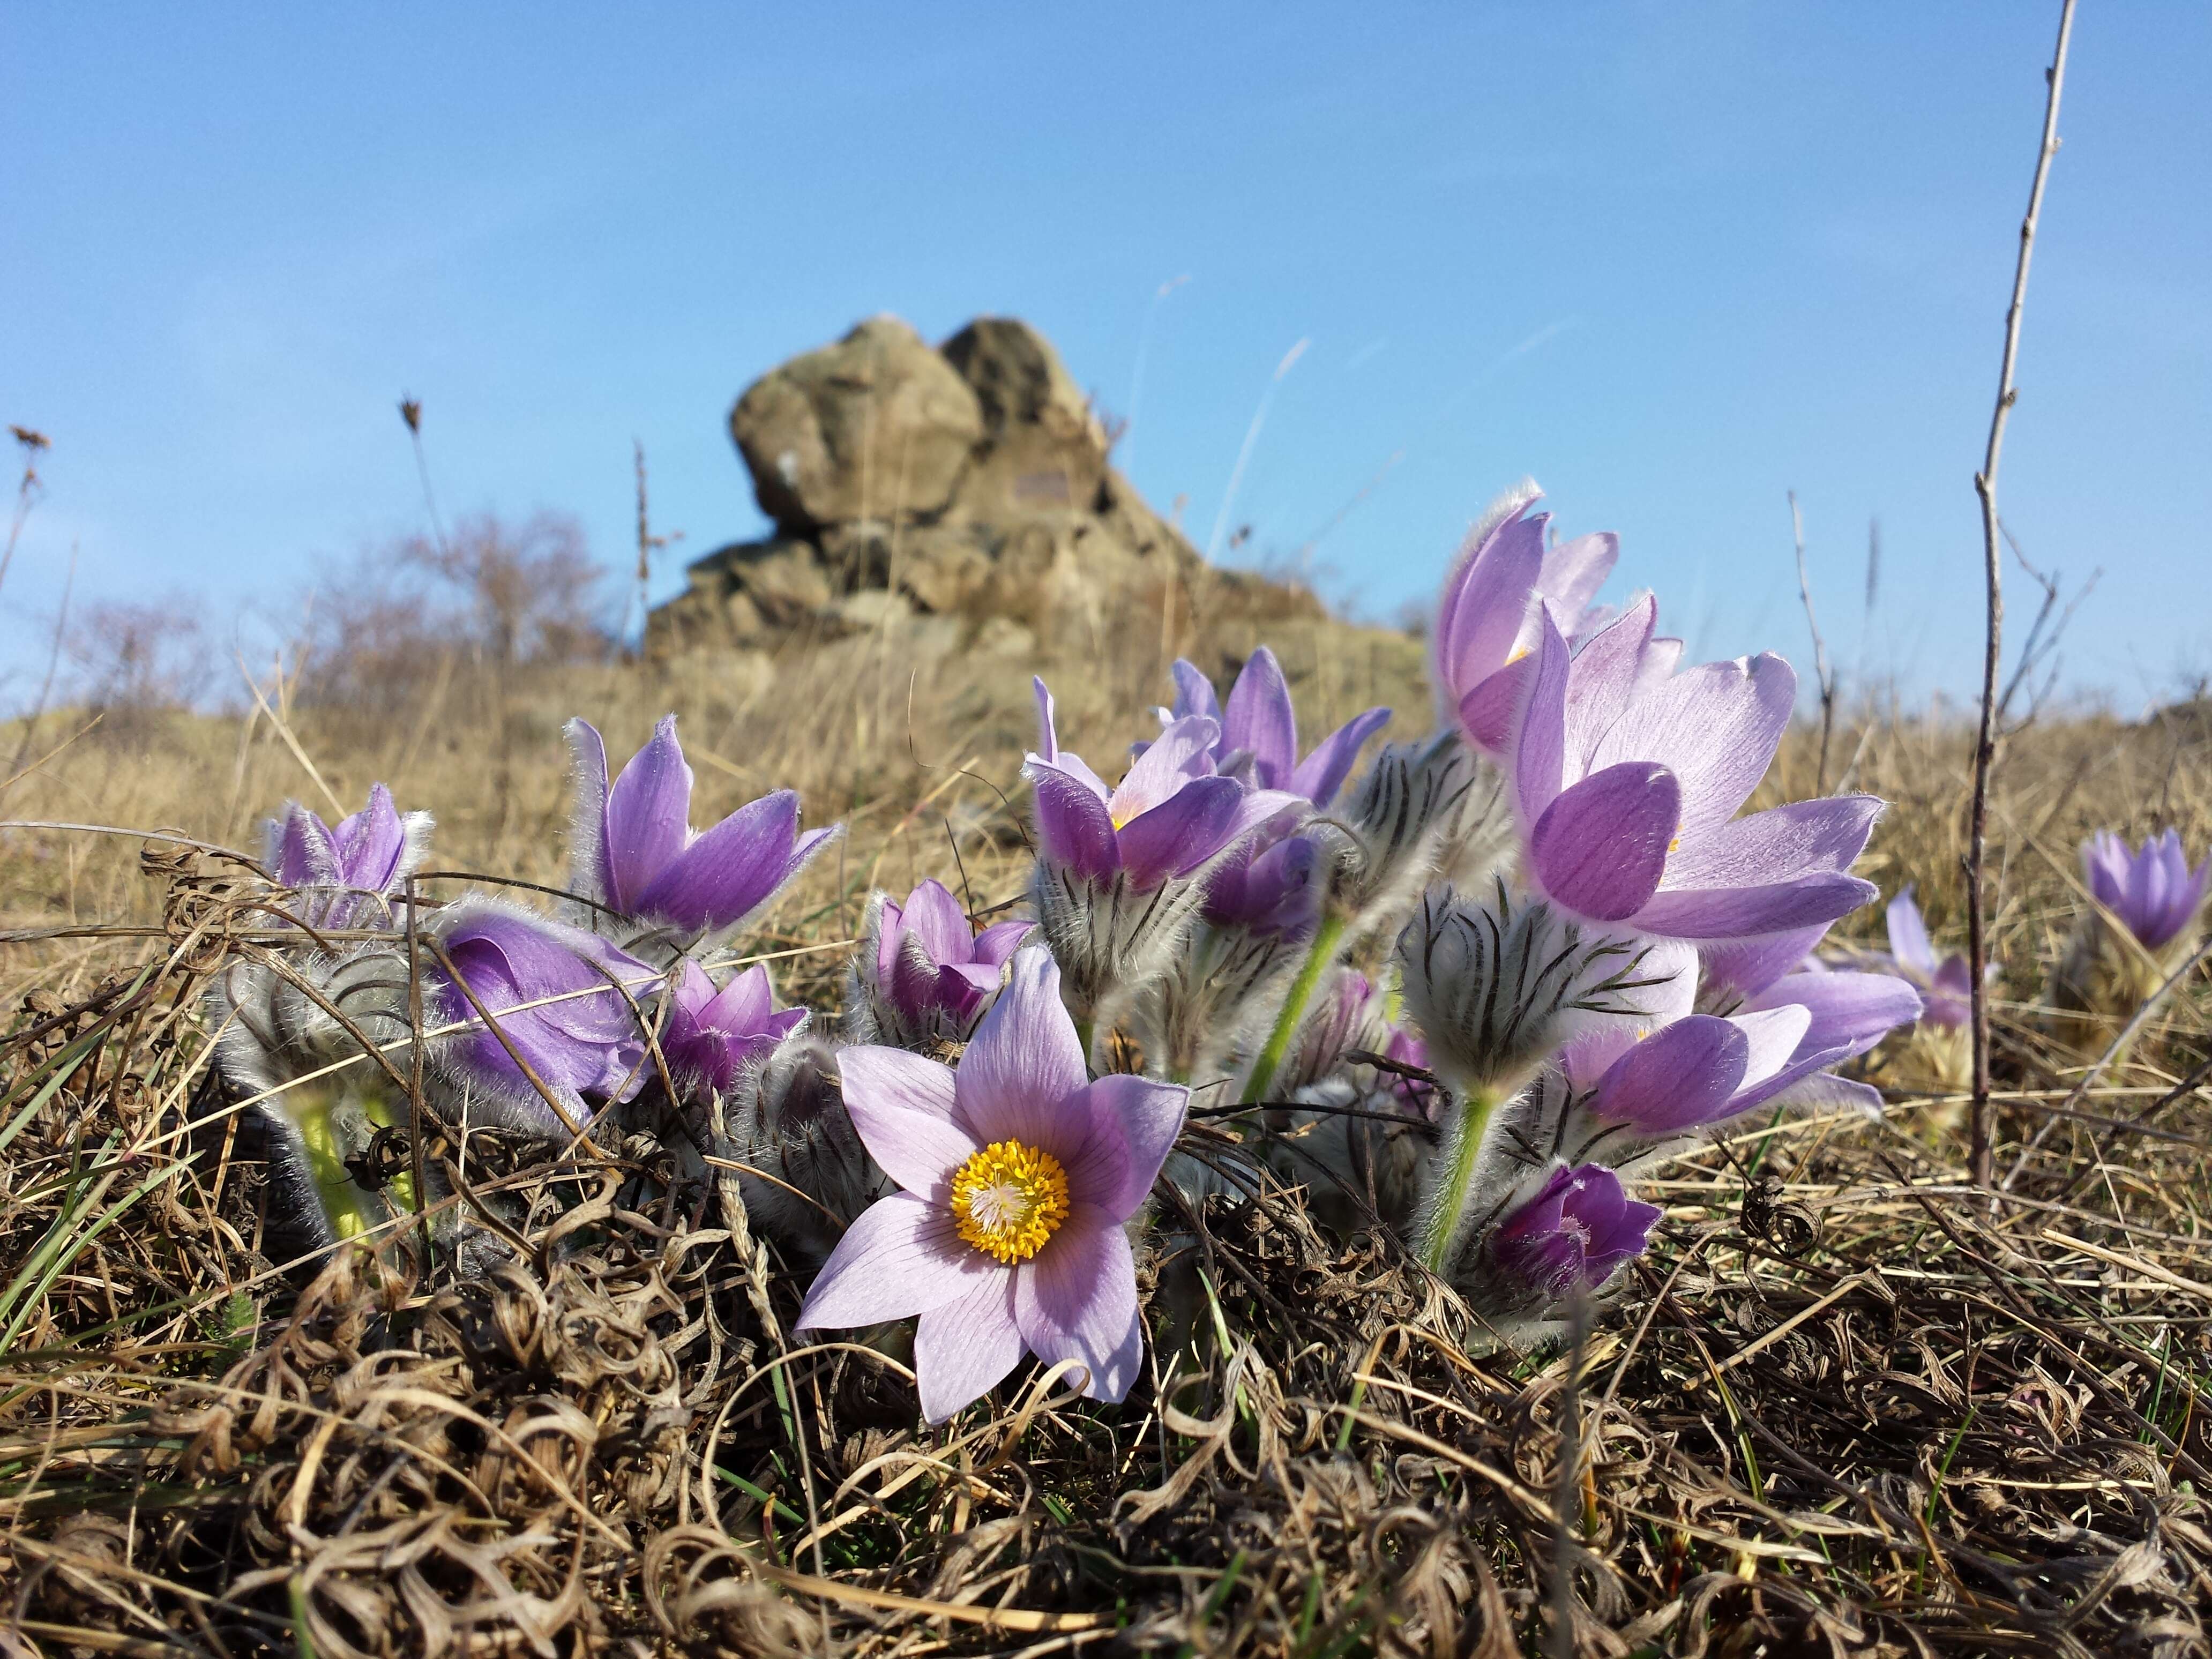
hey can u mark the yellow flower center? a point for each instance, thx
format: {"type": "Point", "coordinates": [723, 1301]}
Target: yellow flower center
{"type": "Point", "coordinates": [1519, 651]}
{"type": "Point", "coordinates": [1009, 1198]}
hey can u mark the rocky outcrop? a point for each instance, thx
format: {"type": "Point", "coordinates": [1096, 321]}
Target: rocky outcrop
{"type": "Point", "coordinates": [971, 482]}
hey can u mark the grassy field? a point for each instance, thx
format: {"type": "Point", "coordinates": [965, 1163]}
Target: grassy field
{"type": "Point", "coordinates": [1846, 1405]}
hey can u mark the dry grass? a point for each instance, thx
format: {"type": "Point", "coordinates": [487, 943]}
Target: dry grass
{"type": "Point", "coordinates": [1844, 1406]}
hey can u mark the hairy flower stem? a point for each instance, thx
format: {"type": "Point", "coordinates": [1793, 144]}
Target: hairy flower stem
{"type": "Point", "coordinates": [1462, 1150]}
{"type": "Point", "coordinates": [1326, 937]}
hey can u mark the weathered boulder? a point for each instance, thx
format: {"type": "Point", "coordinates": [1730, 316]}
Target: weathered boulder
{"type": "Point", "coordinates": [971, 483]}
{"type": "Point", "coordinates": [876, 426]}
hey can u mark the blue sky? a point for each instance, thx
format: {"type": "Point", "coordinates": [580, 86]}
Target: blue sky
{"type": "Point", "coordinates": [1671, 259]}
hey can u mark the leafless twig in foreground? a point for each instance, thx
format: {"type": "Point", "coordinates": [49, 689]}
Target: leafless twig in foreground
{"type": "Point", "coordinates": [1985, 486]}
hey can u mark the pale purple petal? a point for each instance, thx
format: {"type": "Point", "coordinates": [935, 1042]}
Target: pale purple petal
{"type": "Point", "coordinates": [1321, 774]}
{"type": "Point", "coordinates": [1600, 846]}
{"type": "Point", "coordinates": [1047, 728]}
{"type": "Point", "coordinates": [1184, 752]}
{"type": "Point", "coordinates": [648, 815]}
{"type": "Point", "coordinates": [1714, 727]}
{"type": "Point", "coordinates": [1775, 1035]}
{"type": "Point", "coordinates": [1023, 1062]}
{"type": "Point", "coordinates": [589, 875]}
{"type": "Point", "coordinates": [1908, 935]}
{"type": "Point", "coordinates": [733, 869]}
{"type": "Point", "coordinates": [901, 1256]}
{"type": "Point", "coordinates": [1181, 833]}
{"type": "Point", "coordinates": [1606, 673]}
{"type": "Point", "coordinates": [1540, 746]}
{"type": "Point", "coordinates": [1573, 571]}
{"type": "Point", "coordinates": [1195, 693]}
{"type": "Point", "coordinates": [1730, 913]}
{"type": "Point", "coordinates": [905, 1109]}
{"type": "Point", "coordinates": [1950, 994]}
{"type": "Point", "coordinates": [1260, 720]}
{"type": "Point", "coordinates": [1077, 1299]}
{"type": "Point", "coordinates": [1803, 838]}
{"type": "Point", "coordinates": [1134, 1122]}
{"type": "Point", "coordinates": [885, 925]}
{"type": "Point", "coordinates": [964, 1349]}
{"type": "Point", "coordinates": [1074, 828]}
{"type": "Point", "coordinates": [1678, 1078]}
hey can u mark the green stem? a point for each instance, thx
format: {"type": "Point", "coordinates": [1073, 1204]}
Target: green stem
{"type": "Point", "coordinates": [1466, 1149]}
{"type": "Point", "coordinates": [1326, 939]}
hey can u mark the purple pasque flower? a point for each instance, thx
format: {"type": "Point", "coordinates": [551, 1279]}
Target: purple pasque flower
{"type": "Point", "coordinates": [1575, 1233]}
{"type": "Point", "coordinates": [1170, 815]}
{"type": "Point", "coordinates": [1271, 892]}
{"type": "Point", "coordinates": [1627, 789]}
{"type": "Point", "coordinates": [710, 1035]}
{"type": "Point", "coordinates": [2153, 891]}
{"type": "Point", "coordinates": [633, 851]}
{"type": "Point", "coordinates": [923, 973]}
{"type": "Point", "coordinates": [552, 991]}
{"type": "Point", "coordinates": [1486, 623]}
{"type": "Point", "coordinates": [1948, 986]}
{"type": "Point", "coordinates": [1118, 871]}
{"type": "Point", "coordinates": [1018, 1173]}
{"type": "Point", "coordinates": [341, 873]}
{"type": "Point", "coordinates": [1258, 729]}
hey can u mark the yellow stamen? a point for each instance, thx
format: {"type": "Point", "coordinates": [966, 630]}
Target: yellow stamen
{"type": "Point", "coordinates": [1519, 651]}
{"type": "Point", "coordinates": [1009, 1198]}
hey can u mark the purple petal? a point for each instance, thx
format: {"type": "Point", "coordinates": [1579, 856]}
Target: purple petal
{"type": "Point", "coordinates": [306, 856]}
{"type": "Point", "coordinates": [934, 917]}
{"type": "Point", "coordinates": [1540, 746]}
{"type": "Point", "coordinates": [1077, 1299]}
{"type": "Point", "coordinates": [1489, 711]}
{"type": "Point", "coordinates": [904, 1107]}
{"type": "Point", "coordinates": [1184, 751]}
{"type": "Point", "coordinates": [1715, 727]}
{"type": "Point", "coordinates": [1134, 1122]}
{"type": "Point", "coordinates": [1680, 1077]}
{"type": "Point", "coordinates": [1261, 721]}
{"type": "Point", "coordinates": [998, 942]}
{"type": "Point", "coordinates": [648, 814]}
{"type": "Point", "coordinates": [1733, 913]}
{"type": "Point", "coordinates": [1321, 774]}
{"type": "Point", "coordinates": [901, 1256]}
{"type": "Point", "coordinates": [1600, 846]}
{"type": "Point", "coordinates": [746, 1004]}
{"type": "Point", "coordinates": [1572, 572]}
{"type": "Point", "coordinates": [589, 873]}
{"type": "Point", "coordinates": [1745, 967]}
{"type": "Point", "coordinates": [883, 925]}
{"type": "Point", "coordinates": [1607, 674]}
{"type": "Point", "coordinates": [1047, 728]}
{"type": "Point", "coordinates": [734, 869]}
{"type": "Point", "coordinates": [1848, 1011]}
{"type": "Point", "coordinates": [1194, 693]}
{"type": "Point", "coordinates": [1075, 832]}
{"type": "Point", "coordinates": [1950, 994]}
{"type": "Point", "coordinates": [1776, 1034]}
{"type": "Point", "coordinates": [1486, 600]}
{"type": "Point", "coordinates": [1024, 1062]}
{"type": "Point", "coordinates": [370, 843]}
{"type": "Point", "coordinates": [1182, 832]}
{"type": "Point", "coordinates": [1908, 935]}
{"type": "Point", "coordinates": [1803, 838]}
{"type": "Point", "coordinates": [964, 1349]}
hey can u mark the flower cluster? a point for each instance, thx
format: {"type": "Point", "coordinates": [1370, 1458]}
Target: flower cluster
{"type": "Point", "coordinates": [1462, 993]}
